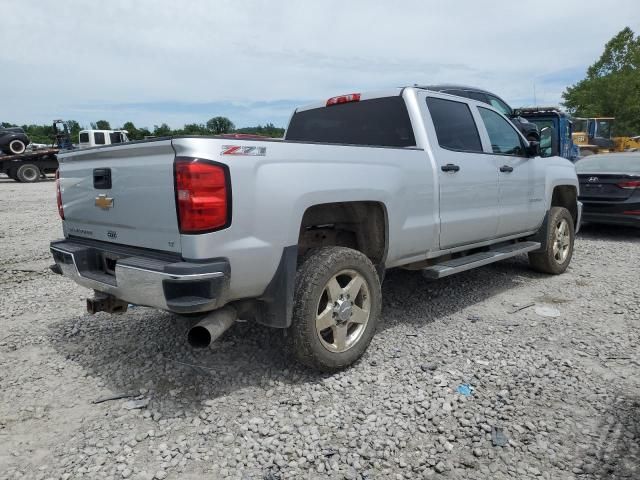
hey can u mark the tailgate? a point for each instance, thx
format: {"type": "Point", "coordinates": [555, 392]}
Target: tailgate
{"type": "Point", "coordinates": [122, 194]}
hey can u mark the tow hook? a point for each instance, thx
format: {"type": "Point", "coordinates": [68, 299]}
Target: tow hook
{"type": "Point", "coordinates": [105, 303]}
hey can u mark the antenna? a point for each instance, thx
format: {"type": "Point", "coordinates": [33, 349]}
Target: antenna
{"type": "Point", "coordinates": [535, 100]}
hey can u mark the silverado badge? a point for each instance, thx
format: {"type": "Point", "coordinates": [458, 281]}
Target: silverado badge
{"type": "Point", "coordinates": [104, 202]}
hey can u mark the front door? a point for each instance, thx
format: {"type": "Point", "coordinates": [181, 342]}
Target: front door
{"type": "Point", "coordinates": [468, 177]}
{"type": "Point", "coordinates": [520, 178]}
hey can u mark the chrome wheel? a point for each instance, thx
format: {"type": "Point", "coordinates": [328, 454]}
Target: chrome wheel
{"type": "Point", "coordinates": [343, 311]}
{"type": "Point", "coordinates": [561, 241]}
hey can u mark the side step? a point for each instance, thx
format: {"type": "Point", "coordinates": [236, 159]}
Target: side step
{"type": "Point", "coordinates": [479, 259]}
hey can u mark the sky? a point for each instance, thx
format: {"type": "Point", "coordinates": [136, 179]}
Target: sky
{"type": "Point", "coordinates": [253, 60]}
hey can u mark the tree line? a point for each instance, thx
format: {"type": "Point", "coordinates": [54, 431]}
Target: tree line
{"type": "Point", "coordinates": [611, 87]}
{"type": "Point", "coordinates": [214, 126]}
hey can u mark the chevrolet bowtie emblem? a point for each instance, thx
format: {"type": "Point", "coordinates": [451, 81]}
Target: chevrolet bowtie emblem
{"type": "Point", "coordinates": [104, 202]}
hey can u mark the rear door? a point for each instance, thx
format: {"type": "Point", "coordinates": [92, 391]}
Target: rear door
{"type": "Point", "coordinates": [468, 178]}
{"type": "Point", "coordinates": [123, 194]}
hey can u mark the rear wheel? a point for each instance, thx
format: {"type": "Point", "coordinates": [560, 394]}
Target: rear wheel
{"type": "Point", "coordinates": [560, 238]}
{"type": "Point", "coordinates": [17, 147]}
{"type": "Point", "coordinates": [337, 308]}
{"type": "Point", "coordinates": [28, 173]}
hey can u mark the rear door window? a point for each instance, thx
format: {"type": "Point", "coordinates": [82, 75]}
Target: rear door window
{"type": "Point", "coordinates": [376, 122]}
{"type": "Point", "coordinates": [504, 138]}
{"type": "Point", "coordinates": [99, 138]}
{"type": "Point", "coordinates": [454, 124]}
{"type": "Point", "coordinates": [84, 137]}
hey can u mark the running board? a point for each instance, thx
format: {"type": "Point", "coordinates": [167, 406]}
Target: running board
{"type": "Point", "coordinates": [449, 267]}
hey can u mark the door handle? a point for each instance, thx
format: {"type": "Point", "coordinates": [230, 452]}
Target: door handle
{"type": "Point", "coordinates": [506, 168]}
{"type": "Point", "coordinates": [449, 167]}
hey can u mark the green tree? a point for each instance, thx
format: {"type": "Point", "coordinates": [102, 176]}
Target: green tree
{"type": "Point", "coordinates": [101, 125]}
{"type": "Point", "coordinates": [162, 130]}
{"type": "Point", "coordinates": [612, 85]}
{"type": "Point", "coordinates": [143, 132]}
{"type": "Point", "coordinates": [194, 129]}
{"type": "Point", "coordinates": [74, 129]}
{"type": "Point", "coordinates": [269, 130]}
{"type": "Point", "coordinates": [218, 125]}
{"type": "Point", "coordinates": [133, 132]}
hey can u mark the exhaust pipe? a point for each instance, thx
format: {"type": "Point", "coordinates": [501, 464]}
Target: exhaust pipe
{"type": "Point", "coordinates": [211, 327]}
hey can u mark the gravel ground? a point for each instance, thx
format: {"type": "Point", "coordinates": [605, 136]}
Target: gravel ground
{"type": "Point", "coordinates": [553, 397]}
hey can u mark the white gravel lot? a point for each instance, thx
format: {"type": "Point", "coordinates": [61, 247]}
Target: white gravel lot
{"type": "Point", "coordinates": [564, 391]}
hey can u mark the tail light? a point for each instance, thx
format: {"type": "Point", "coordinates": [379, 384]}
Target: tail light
{"type": "Point", "coordinates": [202, 195]}
{"type": "Point", "coordinates": [630, 185]}
{"type": "Point", "coordinates": [352, 97]}
{"type": "Point", "coordinates": [59, 195]}
{"type": "Point", "coordinates": [632, 212]}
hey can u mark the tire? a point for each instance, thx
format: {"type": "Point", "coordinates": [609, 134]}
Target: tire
{"type": "Point", "coordinates": [560, 238]}
{"type": "Point", "coordinates": [28, 173]}
{"type": "Point", "coordinates": [16, 146]}
{"type": "Point", "coordinates": [326, 337]}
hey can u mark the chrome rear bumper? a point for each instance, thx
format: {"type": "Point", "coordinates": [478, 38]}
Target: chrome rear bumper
{"type": "Point", "coordinates": [141, 279]}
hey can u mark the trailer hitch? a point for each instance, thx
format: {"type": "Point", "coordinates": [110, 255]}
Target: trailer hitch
{"type": "Point", "coordinates": [102, 302]}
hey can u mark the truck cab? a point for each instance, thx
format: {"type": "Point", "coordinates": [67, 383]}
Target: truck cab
{"type": "Point", "coordinates": [556, 131]}
{"type": "Point", "coordinates": [98, 138]}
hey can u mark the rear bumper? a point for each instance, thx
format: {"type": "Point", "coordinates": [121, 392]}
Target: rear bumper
{"type": "Point", "coordinates": [612, 219]}
{"type": "Point", "coordinates": [144, 278]}
{"type": "Point", "coordinates": [612, 212]}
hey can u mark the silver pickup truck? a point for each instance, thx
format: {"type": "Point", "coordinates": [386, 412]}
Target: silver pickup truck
{"type": "Point", "coordinates": [297, 233]}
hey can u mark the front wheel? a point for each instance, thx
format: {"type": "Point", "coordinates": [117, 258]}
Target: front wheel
{"type": "Point", "coordinates": [337, 308]}
{"type": "Point", "coordinates": [559, 243]}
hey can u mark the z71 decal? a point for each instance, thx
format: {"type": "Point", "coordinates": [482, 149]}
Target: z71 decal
{"type": "Point", "coordinates": [243, 150]}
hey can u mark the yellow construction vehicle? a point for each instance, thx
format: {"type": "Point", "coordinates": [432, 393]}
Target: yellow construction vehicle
{"type": "Point", "coordinates": [594, 135]}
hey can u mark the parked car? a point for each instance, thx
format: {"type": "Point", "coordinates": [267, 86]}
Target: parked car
{"type": "Point", "coordinates": [610, 188]}
{"type": "Point", "coordinates": [298, 233]}
{"type": "Point", "coordinates": [13, 140]}
{"type": "Point", "coordinates": [529, 129]}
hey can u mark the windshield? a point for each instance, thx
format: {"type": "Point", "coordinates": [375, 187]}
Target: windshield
{"type": "Point", "coordinates": [579, 124]}
{"type": "Point", "coordinates": [604, 129]}
{"type": "Point", "coordinates": [628, 163]}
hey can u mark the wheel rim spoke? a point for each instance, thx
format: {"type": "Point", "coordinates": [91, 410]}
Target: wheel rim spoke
{"type": "Point", "coordinates": [334, 290]}
{"type": "Point", "coordinates": [359, 315]}
{"type": "Point", "coordinates": [340, 336]}
{"type": "Point", "coordinates": [354, 286]}
{"type": "Point", "coordinates": [325, 319]}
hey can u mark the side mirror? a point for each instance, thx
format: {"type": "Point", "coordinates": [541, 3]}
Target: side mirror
{"type": "Point", "coordinates": [548, 142]}
{"type": "Point", "coordinates": [533, 149]}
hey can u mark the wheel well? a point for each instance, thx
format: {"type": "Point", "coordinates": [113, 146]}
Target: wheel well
{"type": "Point", "coordinates": [358, 225]}
{"type": "Point", "coordinates": [566, 196]}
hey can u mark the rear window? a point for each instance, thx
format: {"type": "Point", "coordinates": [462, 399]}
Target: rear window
{"type": "Point", "coordinates": [622, 163]}
{"type": "Point", "coordinates": [84, 137]}
{"type": "Point", "coordinates": [99, 138]}
{"type": "Point", "coordinates": [454, 124]}
{"type": "Point", "coordinates": [380, 122]}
